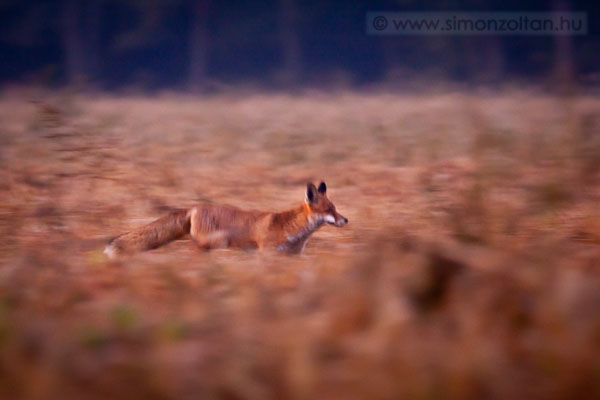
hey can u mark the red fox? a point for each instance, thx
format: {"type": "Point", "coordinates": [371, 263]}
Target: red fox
{"type": "Point", "coordinates": [219, 226]}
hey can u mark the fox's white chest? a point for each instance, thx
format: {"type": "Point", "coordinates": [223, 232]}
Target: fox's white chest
{"type": "Point", "coordinates": [296, 242]}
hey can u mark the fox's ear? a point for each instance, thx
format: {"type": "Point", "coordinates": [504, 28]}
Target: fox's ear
{"type": "Point", "coordinates": [322, 188]}
{"type": "Point", "coordinates": [311, 193]}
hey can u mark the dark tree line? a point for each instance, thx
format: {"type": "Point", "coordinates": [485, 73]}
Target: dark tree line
{"type": "Point", "coordinates": [195, 44]}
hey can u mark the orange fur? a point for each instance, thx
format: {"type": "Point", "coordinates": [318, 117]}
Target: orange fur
{"type": "Point", "coordinates": [218, 226]}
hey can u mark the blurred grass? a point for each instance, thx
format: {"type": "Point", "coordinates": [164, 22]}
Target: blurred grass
{"type": "Point", "coordinates": [469, 268]}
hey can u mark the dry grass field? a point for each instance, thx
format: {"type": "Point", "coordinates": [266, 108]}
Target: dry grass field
{"type": "Point", "coordinates": [470, 268]}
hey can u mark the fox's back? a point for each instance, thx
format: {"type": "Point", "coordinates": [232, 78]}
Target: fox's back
{"type": "Point", "coordinates": [215, 217]}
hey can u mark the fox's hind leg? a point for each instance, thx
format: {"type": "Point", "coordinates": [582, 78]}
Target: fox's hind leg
{"type": "Point", "coordinates": [206, 240]}
{"type": "Point", "coordinates": [213, 240]}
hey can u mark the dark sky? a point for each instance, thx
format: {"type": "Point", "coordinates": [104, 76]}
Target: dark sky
{"type": "Point", "coordinates": [150, 44]}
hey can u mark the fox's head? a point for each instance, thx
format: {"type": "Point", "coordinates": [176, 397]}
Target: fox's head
{"type": "Point", "coordinates": [321, 207]}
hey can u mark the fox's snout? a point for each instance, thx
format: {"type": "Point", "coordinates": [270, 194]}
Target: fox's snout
{"type": "Point", "coordinates": [341, 221]}
{"type": "Point", "coordinates": [336, 220]}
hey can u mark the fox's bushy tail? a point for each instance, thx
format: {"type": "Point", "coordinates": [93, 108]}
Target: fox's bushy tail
{"type": "Point", "coordinates": [160, 232]}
